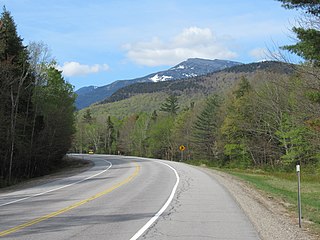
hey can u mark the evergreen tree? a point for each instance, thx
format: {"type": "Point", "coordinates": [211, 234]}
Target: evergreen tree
{"type": "Point", "coordinates": [139, 134]}
{"type": "Point", "coordinates": [309, 6]}
{"type": "Point", "coordinates": [11, 47]}
{"type": "Point", "coordinates": [232, 128]}
{"type": "Point", "coordinates": [205, 129]}
{"type": "Point", "coordinates": [109, 135]}
{"type": "Point", "coordinates": [308, 46]}
{"type": "Point", "coordinates": [243, 88]}
{"type": "Point", "coordinates": [170, 105]}
{"type": "Point", "coordinates": [16, 86]}
{"type": "Point", "coordinates": [36, 115]}
{"type": "Point", "coordinates": [87, 117]}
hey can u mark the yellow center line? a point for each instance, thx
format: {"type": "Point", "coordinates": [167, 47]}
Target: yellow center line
{"type": "Point", "coordinates": [75, 205]}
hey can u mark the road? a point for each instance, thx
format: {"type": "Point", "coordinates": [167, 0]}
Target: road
{"type": "Point", "coordinates": [125, 198]}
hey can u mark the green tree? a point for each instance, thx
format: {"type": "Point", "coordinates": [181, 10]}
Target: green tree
{"type": "Point", "coordinates": [293, 140]}
{"type": "Point", "coordinates": [160, 144]}
{"type": "Point", "coordinates": [205, 129]}
{"type": "Point", "coordinates": [11, 48]}
{"type": "Point", "coordinates": [16, 84]}
{"type": "Point", "coordinates": [40, 60]}
{"type": "Point", "coordinates": [308, 34]}
{"type": "Point", "coordinates": [109, 135]}
{"type": "Point", "coordinates": [87, 117]}
{"type": "Point", "coordinates": [125, 144]}
{"type": "Point", "coordinates": [309, 6]}
{"type": "Point", "coordinates": [139, 134]}
{"type": "Point", "coordinates": [243, 88]}
{"type": "Point", "coordinates": [56, 111]}
{"type": "Point", "coordinates": [36, 108]}
{"type": "Point", "coordinates": [170, 105]}
{"type": "Point", "coordinates": [232, 128]}
{"type": "Point", "coordinates": [182, 132]}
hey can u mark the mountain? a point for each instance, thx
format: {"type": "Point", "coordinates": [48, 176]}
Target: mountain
{"type": "Point", "coordinates": [147, 97]}
{"type": "Point", "coordinates": [192, 67]}
{"type": "Point", "coordinates": [204, 83]}
{"type": "Point", "coordinates": [86, 90]}
{"type": "Point", "coordinates": [187, 69]}
{"type": "Point", "coordinates": [89, 95]}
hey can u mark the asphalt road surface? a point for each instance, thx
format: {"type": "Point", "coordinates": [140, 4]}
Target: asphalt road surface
{"type": "Point", "coordinates": [125, 198]}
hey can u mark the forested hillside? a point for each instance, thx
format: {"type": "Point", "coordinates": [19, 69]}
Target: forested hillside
{"type": "Point", "coordinates": [37, 108]}
{"type": "Point", "coordinates": [248, 116]}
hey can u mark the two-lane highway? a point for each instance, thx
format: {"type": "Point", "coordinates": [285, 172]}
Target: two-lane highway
{"type": "Point", "coordinates": [125, 198]}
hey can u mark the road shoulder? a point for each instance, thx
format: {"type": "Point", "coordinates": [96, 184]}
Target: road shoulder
{"type": "Point", "coordinates": [269, 217]}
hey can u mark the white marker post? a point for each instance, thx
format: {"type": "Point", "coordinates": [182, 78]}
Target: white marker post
{"type": "Point", "coordinates": [299, 194]}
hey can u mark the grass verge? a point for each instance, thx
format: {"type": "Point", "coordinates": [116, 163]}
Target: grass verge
{"type": "Point", "coordinates": [284, 186]}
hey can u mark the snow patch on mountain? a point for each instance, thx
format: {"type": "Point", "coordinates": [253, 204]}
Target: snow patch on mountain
{"type": "Point", "coordinates": [157, 78]}
{"type": "Point", "coordinates": [189, 75]}
{"type": "Point", "coordinates": [178, 67]}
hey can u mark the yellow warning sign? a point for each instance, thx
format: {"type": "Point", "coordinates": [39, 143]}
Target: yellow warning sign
{"type": "Point", "coordinates": [182, 148]}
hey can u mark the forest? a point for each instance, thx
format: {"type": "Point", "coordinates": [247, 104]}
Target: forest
{"type": "Point", "coordinates": [266, 119]}
{"type": "Point", "coordinates": [270, 121]}
{"type": "Point", "coordinates": [36, 108]}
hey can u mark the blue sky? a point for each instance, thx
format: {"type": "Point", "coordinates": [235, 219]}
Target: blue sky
{"type": "Point", "coordinates": [99, 41]}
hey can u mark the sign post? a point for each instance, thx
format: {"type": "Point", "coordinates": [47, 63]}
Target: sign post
{"type": "Point", "coordinates": [182, 148]}
{"type": "Point", "coordinates": [299, 193]}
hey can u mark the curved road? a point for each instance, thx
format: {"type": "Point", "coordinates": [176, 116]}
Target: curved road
{"type": "Point", "coordinates": [125, 198]}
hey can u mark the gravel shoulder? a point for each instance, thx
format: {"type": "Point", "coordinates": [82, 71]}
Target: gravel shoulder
{"type": "Point", "coordinates": [268, 215]}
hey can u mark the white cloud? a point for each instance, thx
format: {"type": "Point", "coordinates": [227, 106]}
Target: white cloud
{"type": "Point", "coordinates": [190, 43]}
{"type": "Point", "coordinates": [263, 54]}
{"type": "Point", "coordinates": [259, 54]}
{"type": "Point", "coordinates": [76, 69]}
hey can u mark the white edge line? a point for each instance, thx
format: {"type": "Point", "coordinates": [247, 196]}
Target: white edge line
{"type": "Point", "coordinates": [55, 189]}
{"type": "Point", "coordinates": [164, 207]}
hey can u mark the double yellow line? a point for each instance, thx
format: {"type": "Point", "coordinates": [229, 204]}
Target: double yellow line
{"type": "Point", "coordinates": [75, 205]}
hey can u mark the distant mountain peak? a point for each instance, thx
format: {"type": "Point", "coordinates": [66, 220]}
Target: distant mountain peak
{"type": "Point", "coordinates": [192, 67]}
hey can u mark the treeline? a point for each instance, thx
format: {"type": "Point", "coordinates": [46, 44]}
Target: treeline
{"type": "Point", "coordinates": [176, 86]}
{"type": "Point", "coordinates": [273, 66]}
{"type": "Point", "coordinates": [36, 107]}
{"type": "Point", "coordinates": [271, 121]}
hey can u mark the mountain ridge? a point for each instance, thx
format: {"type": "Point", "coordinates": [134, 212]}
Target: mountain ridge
{"type": "Point", "coordinates": [192, 67]}
{"type": "Point", "coordinates": [195, 83]}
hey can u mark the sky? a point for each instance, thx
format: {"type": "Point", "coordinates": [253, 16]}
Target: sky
{"type": "Point", "coordinates": [97, 42]}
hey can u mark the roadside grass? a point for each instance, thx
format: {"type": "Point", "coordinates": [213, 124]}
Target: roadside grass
{"type": "Point", "coordinates": [283, 186]}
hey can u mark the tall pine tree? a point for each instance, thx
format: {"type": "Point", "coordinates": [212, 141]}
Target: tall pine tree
{"type": "Point", "coordinates": [205, 129]}
{"type": "Point", "coordinates": [170, 105]}
{"type": "Point", "coordinates": [16, 84]}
